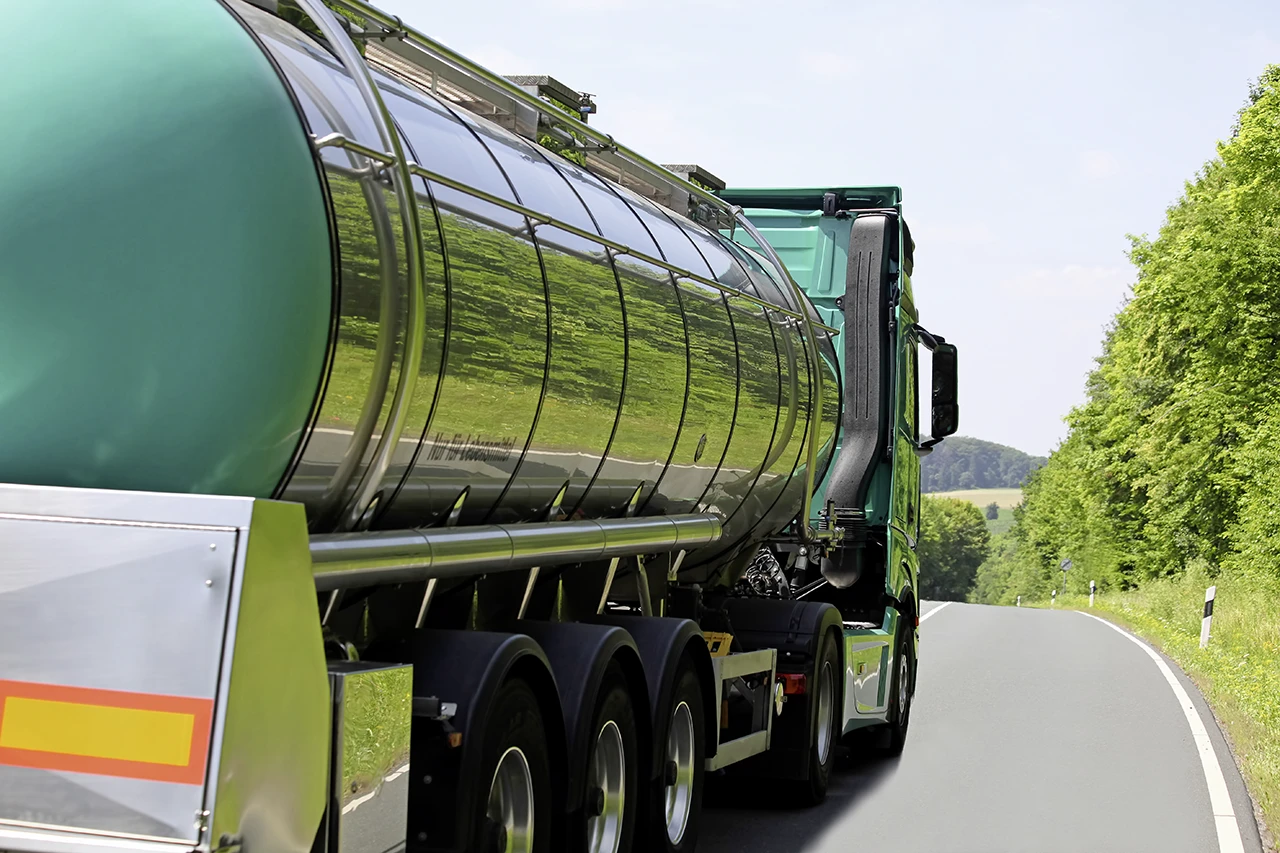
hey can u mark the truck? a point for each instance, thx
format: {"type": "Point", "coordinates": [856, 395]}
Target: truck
{"type": "Point", "coordinates": [393, 461]}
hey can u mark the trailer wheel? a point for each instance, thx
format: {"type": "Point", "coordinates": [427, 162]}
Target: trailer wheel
{"type": "Point", "coordinates": [904, 666]}
{"type": "Point", "coordinates": [677, 810]}
{"type": "Point", "coordinates": [609, 813]}
{"type": "Point", "coordinates": [825, 720]}
{"type": "Point", "coordinates": [517, 814]}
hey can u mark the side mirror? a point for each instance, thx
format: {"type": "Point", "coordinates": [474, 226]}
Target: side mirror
{"type": "Point", "coordinates": [946, 409]}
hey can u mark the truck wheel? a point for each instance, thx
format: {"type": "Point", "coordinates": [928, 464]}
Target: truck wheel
{"type": "Point", "coordinates": [516, 817]}
{"type": "Point", "coordinates": [612, 770]}
{"type": "Point", "coordinates": [904, 666]}
{"type": "Point", "coordinates": [677, 808]}
{"type": "Point", "coordinates": [825, 715]}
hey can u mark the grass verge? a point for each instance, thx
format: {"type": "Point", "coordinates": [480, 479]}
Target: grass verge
{"type": "Point", "coordinates": [1239, 672]}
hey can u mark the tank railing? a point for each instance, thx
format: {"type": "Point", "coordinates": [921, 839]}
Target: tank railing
{"type": "Point", "coordinates": [811, 341]}
{"type": "Point", "coordinates": [334, 140]}
{"type": "Point", "coordinates": [365, 497]}
{"type": "Point", "coordinates": [348, 560]}
{"type": "Point", "coordinates": [493, 84]}
{"type": "Point", "coordinates": [365, 172]}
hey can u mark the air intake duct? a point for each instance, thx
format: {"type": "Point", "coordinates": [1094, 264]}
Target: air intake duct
{"type": "Point", "coordinates": [868, 367]}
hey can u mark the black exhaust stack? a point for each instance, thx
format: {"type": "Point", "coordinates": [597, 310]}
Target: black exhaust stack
{"type": "Point", "coordinates": [866, 423]}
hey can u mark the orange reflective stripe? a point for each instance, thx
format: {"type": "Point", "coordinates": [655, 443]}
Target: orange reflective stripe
{"type": "Point", "coordinates": [105, 732]}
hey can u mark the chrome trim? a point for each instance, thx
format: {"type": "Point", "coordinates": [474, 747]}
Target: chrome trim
{"type": "Point", "coordinates": [337, 140]}
{"type": "Point", "coordinates": [341, 560]}
{"type": "Point", "coordinates": [368, 787]}
{"type": "Point", "coordinates": [415, 328]}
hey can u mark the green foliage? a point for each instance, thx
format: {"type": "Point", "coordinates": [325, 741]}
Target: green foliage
{"type": "Point", "coordinates": [970, 463]}
{"type": "Point", "coordinates": [992, 511]}
{"type": "Point", "coordinates": [953, 542]}
{"type": "Point", "coordinates": [568, 149]}
{"type": "Point", "coordinates": [293, 13]}
{"type": "Point", "coordinates": [1174, 458]}
{"type": "Point", "coordinates": [1169, 479]}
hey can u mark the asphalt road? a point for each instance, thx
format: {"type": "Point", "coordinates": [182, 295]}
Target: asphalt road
{"type": "Point", "coordinates": [1034, 731]}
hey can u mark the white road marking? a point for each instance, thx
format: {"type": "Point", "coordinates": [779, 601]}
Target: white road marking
{"type": "Point", "coordinates": [934, 610]}
{"type": "Point", "coordinates": [357, 803]}
{"type": "Point", "coordinates": [1224, 815]}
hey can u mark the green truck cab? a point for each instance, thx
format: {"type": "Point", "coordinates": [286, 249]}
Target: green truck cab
{"type": "Point", "coordinates": [850, 250]}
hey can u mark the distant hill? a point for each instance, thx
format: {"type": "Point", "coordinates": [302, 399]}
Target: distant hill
{"type": "Point", "coordinates": [971, 463]}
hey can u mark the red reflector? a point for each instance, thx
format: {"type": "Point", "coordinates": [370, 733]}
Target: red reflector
{"type": "Point", "coordinates": [793, 683]}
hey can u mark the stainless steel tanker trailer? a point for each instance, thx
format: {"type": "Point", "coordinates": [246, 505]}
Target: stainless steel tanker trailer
{"type": "Point", "coordinates": [374, 478]}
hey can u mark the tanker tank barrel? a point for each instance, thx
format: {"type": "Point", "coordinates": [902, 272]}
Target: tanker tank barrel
{"type": "Point", "coordinates": [345, 560]}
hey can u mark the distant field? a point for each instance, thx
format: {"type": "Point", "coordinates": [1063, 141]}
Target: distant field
{"type": "Point", "coordinates": [1002, 523]}
{"type": "Point", "coordinates": [1004, 498]}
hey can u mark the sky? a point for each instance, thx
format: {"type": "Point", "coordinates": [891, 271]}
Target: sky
{"type": "Point", "coordinates": [1029, 139]}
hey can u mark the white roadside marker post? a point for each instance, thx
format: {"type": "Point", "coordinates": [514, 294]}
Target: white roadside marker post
{"type": "Point", "coordinates": [1019, 601]}
{"type": "Point", "coordinates": [1093, 587]}
{"type": "Point", "coordinates": [1208, 615]}
{"type": "Point", "coordinates": [1053, 598]}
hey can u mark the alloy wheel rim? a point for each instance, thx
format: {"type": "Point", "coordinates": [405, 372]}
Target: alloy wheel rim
{"type": "Point", "coordinates": [510, 810]}
{"type": "Point", "coordinates": [680, 738]}
{"type": "Point", "coordinates": [608, 774]}
{"type": "Point", "coordinates": [904, 686]}
{"type": "Point", "coordinates": [826, 705]}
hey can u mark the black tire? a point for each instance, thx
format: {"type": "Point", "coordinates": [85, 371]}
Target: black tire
{"type": "Point", "coordinates": [614, 705]}
{"type": "Point", "coordinates": [904, 681]}
{"type": "Point", "coordinates": [813, 790]}
{"type": "Point", "coordinates": [687, 691]}
{"type": "Point", "coordinates": [515, 723]}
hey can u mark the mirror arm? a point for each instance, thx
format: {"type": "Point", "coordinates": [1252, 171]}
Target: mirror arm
{"type": "Point", "coordinates": [929, 339]}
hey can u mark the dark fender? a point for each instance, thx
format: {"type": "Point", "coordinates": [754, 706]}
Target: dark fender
{"type": "Point", "coordinates": [579, 655]}
{"type": "Point", "coordinates": [662, 642]}
{"type": "Point", "coordinates": [794, 629]}
{"type": "Point", "coordinates": [468, 667]}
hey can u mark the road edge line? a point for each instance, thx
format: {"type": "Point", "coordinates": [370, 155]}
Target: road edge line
{"type": "Point", "coordinates": [1230, 839]}
{"type": "Point", "coordinates": [936, 609]}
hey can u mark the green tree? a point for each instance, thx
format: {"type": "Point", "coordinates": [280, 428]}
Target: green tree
{"type": "Point", "coordinates": [992, 511]}
{"type": "Point", "coordinates": [970, 463]}
{"type": "Point", "coordinates": [1174, 458]}
{"type": "Point", "coordinates": [954, 541]}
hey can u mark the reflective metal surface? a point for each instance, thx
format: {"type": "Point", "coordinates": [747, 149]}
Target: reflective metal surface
{"type": "Point", "coordinates": [510, 811]}
{"type": "Point", "coordinates": [120, 605]}
{"type": "Point", "coordinates": [369, 786]}
{"type": "Point", "coordinates": [198, 611]}
{"type": "Point", "coordinates": [680, 758]}
{"type": "Point", "coordinates": [826, 708]}
{"type": "Point", "coordinates": [606, 791]}
{"type": "Point", "coordinates": [349, 560]}
{"type": "Point", "coordinates": [511, 327]}
{"type": "Point", "coordinates": [272, 730]}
